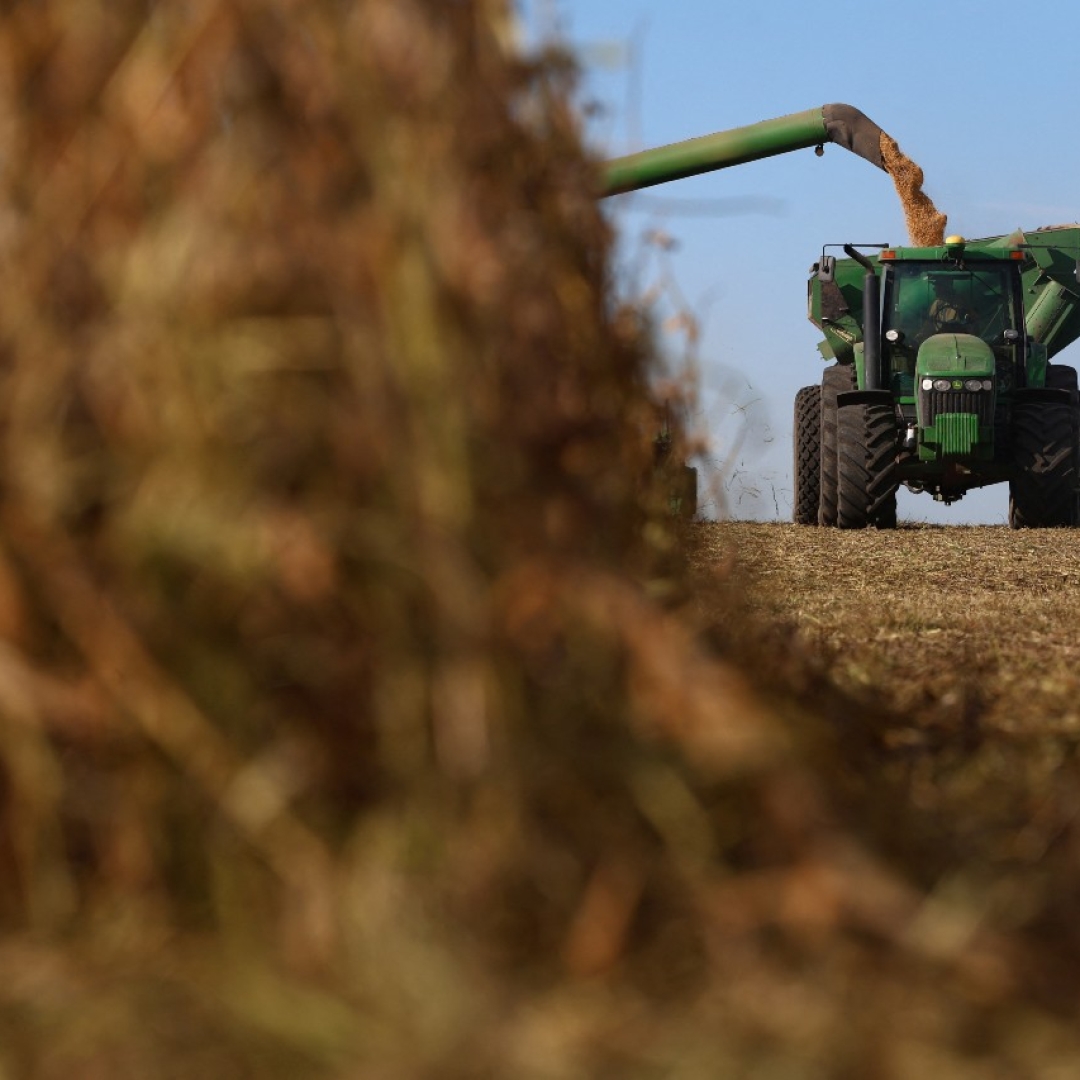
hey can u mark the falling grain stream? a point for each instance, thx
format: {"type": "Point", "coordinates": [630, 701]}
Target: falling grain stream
{"type": "Point", "coordinates": [925, 223]}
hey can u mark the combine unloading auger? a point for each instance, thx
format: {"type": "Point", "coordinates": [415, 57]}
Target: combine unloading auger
{"type": "Point", "coordinates": [843, 125]}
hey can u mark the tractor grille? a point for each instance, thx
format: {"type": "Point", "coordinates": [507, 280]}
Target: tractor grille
{"type": "Point", "coordinates": [935, 402]}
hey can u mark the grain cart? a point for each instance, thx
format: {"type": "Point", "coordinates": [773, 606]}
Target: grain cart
{"type": "Point", "coordinates": [942, 380]}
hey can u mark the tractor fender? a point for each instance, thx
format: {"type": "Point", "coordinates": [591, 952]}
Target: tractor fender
{"type": "Point", "coordinates": [864, 397]}
{"type": "Point", "coordinates": [1047, 394]}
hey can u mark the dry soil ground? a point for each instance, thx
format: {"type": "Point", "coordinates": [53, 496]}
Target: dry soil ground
{"type": "Point", "coordinates": [924, 617]}
{"type": "Point", "coordinates": [955, 651]}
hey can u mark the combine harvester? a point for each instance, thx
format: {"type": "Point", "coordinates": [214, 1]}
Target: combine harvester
{"type": "Point", "coordinates": [940, 377]}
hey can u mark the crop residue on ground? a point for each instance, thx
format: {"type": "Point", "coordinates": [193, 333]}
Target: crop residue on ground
{"type": "Point", "coordinates": [927, 616]}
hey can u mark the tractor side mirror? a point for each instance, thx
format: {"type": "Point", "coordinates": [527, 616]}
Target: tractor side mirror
{"type": "Point", "coordinates": [827, 269]}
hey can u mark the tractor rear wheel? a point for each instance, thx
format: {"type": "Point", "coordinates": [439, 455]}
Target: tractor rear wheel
{"type": "Point", "coordinates": [1063, 377]}
{"type": "Point", "coordinates": [807, 455]}
{"type": "Point", "coordinates": [1043, 493]}
{"type": "Point", "coordinates": [835, 380]}
{"type": "Point", "coordinates": [866, 467]}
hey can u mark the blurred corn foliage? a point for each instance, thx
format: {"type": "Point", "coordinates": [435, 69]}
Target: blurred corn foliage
{"type": "Point", "coordinates": [355, 716]}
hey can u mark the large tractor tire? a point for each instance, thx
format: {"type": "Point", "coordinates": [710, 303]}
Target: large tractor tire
{"type": "Point", "coordinates": [1043, 493]}
{"type": "Point", "coordinates": [866, 467]}
{"type": "Point", "coordinates": [807, 455]}
{"type": "Point", "coordinates": [835, 380]}
{"type": "Point", "coordinates": [1063, 377]}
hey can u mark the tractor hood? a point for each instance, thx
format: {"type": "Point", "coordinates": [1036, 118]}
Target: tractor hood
{"type": "Point", "coordinates": [955, 395]}
{"type": "Point", "coordinates": [955, 354]}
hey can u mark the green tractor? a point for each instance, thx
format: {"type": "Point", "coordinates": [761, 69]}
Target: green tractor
{"type": "Point", "coordinates": [942, 380]}
{"type": "Point", "coordinates": [940, 377]}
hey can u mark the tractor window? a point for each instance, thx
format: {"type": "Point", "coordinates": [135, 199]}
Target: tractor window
{"type": "Point", "coordinates": [923, 299]}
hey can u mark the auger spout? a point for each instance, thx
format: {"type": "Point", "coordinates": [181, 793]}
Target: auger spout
{"type": "Point", "coordinates": [841, 124]}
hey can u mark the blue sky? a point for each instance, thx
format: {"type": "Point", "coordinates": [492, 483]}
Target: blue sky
{"type": "Point", "coordinates": [980, 95]}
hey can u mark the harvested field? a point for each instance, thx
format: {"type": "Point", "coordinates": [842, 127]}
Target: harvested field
{"type": "Point", "coordinates": [360, 715]}
{"type": "Point", "coordinates": [927, 616]}
{"type": "Point", "coordinates": [946, 658]}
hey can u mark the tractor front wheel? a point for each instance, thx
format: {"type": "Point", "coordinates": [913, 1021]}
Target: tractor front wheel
{"type": "Point", "coordinates": [807, 455]}
{"type": "Point", "coordinates": [866, 467]}
{"type": "Point", "coordinates": [1043, 493]}
{"type": "Point", "coordinates": [835, 380]}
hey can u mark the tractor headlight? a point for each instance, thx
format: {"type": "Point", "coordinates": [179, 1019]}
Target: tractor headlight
{"type": "Point", "coordinates": [944, 385]}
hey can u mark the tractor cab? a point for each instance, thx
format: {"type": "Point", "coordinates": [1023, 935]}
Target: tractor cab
{"type": "Point", "coordinates": [942, 381]}
{"type": "Point", "coordinates": [953, 345]}
{"type": "Point", "coordinates": [922, 299]}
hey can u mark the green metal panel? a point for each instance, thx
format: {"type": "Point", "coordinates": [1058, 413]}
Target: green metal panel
{"type": "Point", "coordinates": [1038, 355]}
{"type": "Point", "coordinates": [1054, 250]}
{"type": "Point", "coordinates": [1050, 285]}
{"type": "Point", "coordinates": [958, 433]}
{"type": "Point", "coordinates": [955, 354]}
{"type": "Point", "coordinates": [1052, 313]}
{"type": "Point", "coordinates": [836, 309]}
{"type": "Point", "coordinates": [860, 365]}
